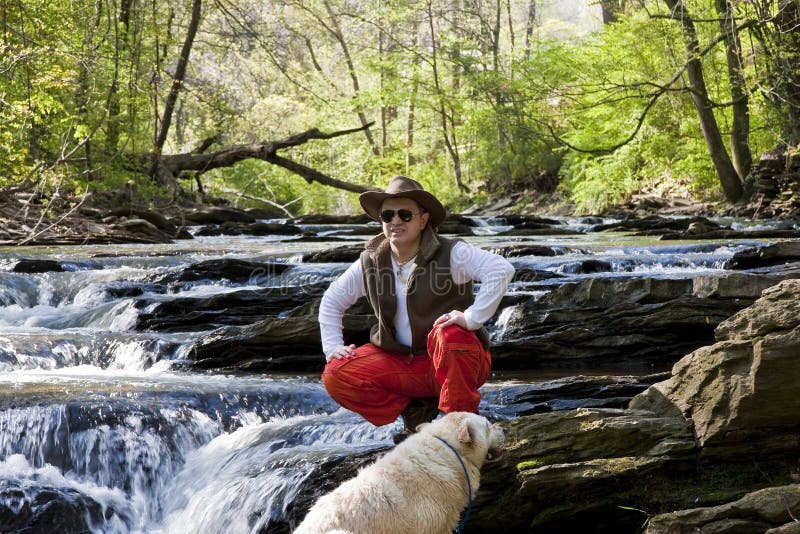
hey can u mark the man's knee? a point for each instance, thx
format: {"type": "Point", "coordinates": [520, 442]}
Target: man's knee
{"type": "Point", "coordinates": [455, 335]}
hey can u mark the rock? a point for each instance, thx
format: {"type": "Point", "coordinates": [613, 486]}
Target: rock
{"type": "Point", "coordinates": [33, 506]}
{"type": "Point", "coordinates": [512, 251]}
{"type": "Point", "coordinates": [771, 510]}
{"type": "Point", "coordinates": [140, 230]}
{"type": "Point", "coordinates": [26, 265]}
{"type": "Point", "coordinates": [733, 234]}
{"type": "Point", "coordinates": [733, 286]}
{"type": "Point", "coordinates": [343, 254]}
{"type": "Point", "coordinates": [362, 218]}
{"type": "Point", "coordinates": [285, 342]}
{"type": "Point", "coordinates": [249, 228]}
{"type": "Point", "coordinates": [156, 219]}
{"type": "Point", "coordinates": [213, 215]}
{"type": "Point", "coordinates": [766, 256]}
{"type": "Point", "coordinates": [741, 393]}
{"type": "Point", "coordinates": [538, 231]}
{"type": "Point", "coordinates": [570, 393]}
{"type": "Point", "coordinates": [243, 307]}
{"type": "Point", "coordinates": [526, 274]}
{"type": "Point", "coordinates": [230, 269]}
{"type": "Point", "coordinates": [655, 224]}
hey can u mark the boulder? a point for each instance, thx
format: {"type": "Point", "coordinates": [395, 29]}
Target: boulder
{"type": "Point", "coordinates": [767, 511]}
{"type": "Point", "coordinates": [741, 393]}
{"type": "Point", "coordinates": [213, 215]}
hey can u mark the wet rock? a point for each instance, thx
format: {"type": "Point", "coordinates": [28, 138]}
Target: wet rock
{"type": "Point", "coordinates": [26, 265]}
{"type": "Point", "coordinates": [594, 266]}
{"type": "Point", "coordinates": [522, 221]}
{"type": "Point", "coordinates": [243, 307]}
{"type": "Point", "coordinates": [230, 269]}
{"type": "Point", "coordinates": [655, 225]}
{"type": "Point", "coordinates": [572, 392]}
{"type": "Point", "coordinates": [343, 254]}
{"type": "Point", "coordinates": [628, 321]}
{"type": "Point", "coordinates": [544, 231]}
{"type": "Point", "coordinates": [513, 251]}
{"type": "Point", "coordinates": [362, 218]}
{"type": "Point", "coordinates": [735, 285]}
{"type": "Point", "coordinates": [286, 342]}
{"type": "Point", "coordinates": [526, 274]}
{"type": "Point", "coordinates": [36, 508]}
{"type": "Point", "coordinates": [770, 255]}
{"type": "Point", "coordinates": [733, 234]}
{"type": "Point", "coordinates": [450, 228]}
{"type": "Point", "coordinates": [249, 228]}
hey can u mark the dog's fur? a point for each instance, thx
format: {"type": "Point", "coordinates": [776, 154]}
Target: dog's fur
{"type": "Point", "coordinates": [418, 487]}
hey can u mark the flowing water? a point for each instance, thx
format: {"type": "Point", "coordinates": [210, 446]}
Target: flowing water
{"type": "Point", "coordinates": [111, 425]}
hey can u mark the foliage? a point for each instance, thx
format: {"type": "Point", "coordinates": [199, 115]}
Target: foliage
{"type": "Point", "coordinates": [471, 93]}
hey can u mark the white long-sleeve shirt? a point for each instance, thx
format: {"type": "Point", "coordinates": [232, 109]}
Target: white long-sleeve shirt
{"type": "Point", "coordinates": [467, 263]}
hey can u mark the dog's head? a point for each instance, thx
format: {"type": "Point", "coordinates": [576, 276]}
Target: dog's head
{"type": "Point", "coordinates": [472, 435]}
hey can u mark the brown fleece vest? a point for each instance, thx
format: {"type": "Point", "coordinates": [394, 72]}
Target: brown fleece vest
{"type": "Point", "coordinates": [431, 291]}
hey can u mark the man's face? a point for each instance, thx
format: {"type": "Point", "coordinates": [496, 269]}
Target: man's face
{"type": "Point", "coordinates": [399, 232]}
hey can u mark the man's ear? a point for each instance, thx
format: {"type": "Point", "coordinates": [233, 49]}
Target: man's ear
{"type": "Point", "coordinates": [464, 432]}
{"type": "Point", "coordinates": [424, 218]}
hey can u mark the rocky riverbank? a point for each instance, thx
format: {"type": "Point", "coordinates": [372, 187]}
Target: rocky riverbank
{"type": "Point", "coordinates": [706, 447]}
{"type": "Point", "coordinates": [694, 453]}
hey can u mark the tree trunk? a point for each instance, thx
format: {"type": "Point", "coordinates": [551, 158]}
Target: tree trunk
{"type": "Point", "coordinates": [531, 23]}
{"type": "Point", "coordinates": [386, 46]}
{"type": "Point", "coordinates": [447, 121]}
{"type": "Point", "coordinates": [121, 28]}
{"type": "Point", "coordinates": [412, 104]}
{"type": "Point", "coordinates": [740, 129]}
{"type": "Point", "coordinates": [610, 9]}
{"type": "Point", "coordinates": [499, 94]}
{"type": "Point", "coordinates": [198, 162]}
{"type": "Point", "coordinates": [729, 179]}
{"type": "Point", "coordinates": [172, 97]}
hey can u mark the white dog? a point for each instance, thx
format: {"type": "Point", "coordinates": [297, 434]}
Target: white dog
{"type": "Point", "coordinates": [418, 487]}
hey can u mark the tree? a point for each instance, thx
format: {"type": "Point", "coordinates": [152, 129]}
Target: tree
{"type": "Point", "coordinates": [740, 105]}
{"type": "Point", "coordinates": [157, 170]}
{"type": "Point", "coordinates": [728, 177]}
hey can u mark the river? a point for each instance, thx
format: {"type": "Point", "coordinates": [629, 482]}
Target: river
{"type": "Point", "coordinates": [107, 427]}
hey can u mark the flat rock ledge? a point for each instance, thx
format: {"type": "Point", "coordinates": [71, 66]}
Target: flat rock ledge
{"type": "Point", "coordinates": [711, 449]}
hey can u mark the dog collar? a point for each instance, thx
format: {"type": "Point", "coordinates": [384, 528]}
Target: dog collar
{"type": "Point", "coordinates": [465, 518]}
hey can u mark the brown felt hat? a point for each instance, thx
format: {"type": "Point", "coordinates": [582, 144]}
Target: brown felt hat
{"type": "Point", "coordinates": [402, 187]}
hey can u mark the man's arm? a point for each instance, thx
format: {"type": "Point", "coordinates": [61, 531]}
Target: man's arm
{"type": "Point", "coordinates": [340, 295]}
{"type": "Point", "coordinates": [492, 271]}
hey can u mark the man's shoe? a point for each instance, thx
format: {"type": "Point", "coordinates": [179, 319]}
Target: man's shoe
{"type": "Point", "coordinates": [418, 411]}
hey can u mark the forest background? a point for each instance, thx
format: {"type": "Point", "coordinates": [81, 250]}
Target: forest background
{"type": "Point", "coordinates": [589, 102]}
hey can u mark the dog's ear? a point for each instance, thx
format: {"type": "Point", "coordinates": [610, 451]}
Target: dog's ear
{"type": "Point", "coordinates": [464, 432]}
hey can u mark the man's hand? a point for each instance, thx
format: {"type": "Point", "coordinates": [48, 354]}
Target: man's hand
{"type": "Point", "coordinates": [345, 351]}
{"type": "Point", "coordinates": [453, 317]}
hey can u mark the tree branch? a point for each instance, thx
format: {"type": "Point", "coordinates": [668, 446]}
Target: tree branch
{"type": "Point", "coordinates": [266, 151]}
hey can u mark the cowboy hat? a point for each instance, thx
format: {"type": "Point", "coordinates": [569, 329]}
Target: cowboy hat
{"type": "Point", "coordinates": [402, 187]}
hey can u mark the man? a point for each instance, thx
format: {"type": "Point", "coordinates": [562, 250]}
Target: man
{"type": "Point", "coordinates": [429, 350]}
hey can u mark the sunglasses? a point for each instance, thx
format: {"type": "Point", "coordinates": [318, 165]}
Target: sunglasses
{"type": "Point", "coordinates": [405, 215]}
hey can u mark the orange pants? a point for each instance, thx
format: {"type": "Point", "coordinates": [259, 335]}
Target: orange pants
{"type": "Point", "coordinates": [378, 385]}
